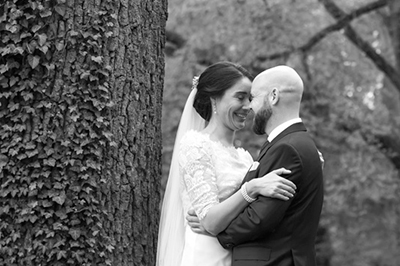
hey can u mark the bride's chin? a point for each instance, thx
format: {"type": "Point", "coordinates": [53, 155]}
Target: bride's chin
{"type": "Point", "coordinates": [240, 126]}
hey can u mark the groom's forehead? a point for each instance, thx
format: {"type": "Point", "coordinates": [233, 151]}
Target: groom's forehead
{"type": "Point", "coordinates": [255, 91]}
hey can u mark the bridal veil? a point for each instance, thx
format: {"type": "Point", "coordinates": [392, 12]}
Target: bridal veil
{"type": "Point", "coordinates": [172, 222]}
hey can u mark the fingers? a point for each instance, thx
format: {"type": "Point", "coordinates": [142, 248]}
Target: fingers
{"type": "Point", "coordinates": [288, 194]}
{"type": "Point", "coordinates": [284, 181]}
{"type": "Point", "coordinates": [193, 222]}
{"type": "Point", "coordinates": [281, 171]}
{"type": "Point", "coordinates": [197, 230]}
{"type": "Point", "coordinates": [283, 195]}
{"type": "Point", "coordinates": [285, 188]}
{"type": "Point", "coordinates": [192, 218]}
{"type": "Point", "coordinates": [194, 225]}
{"type": "Point", "coordinates": [287, 183]}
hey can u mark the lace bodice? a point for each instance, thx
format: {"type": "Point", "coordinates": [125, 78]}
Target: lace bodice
{"type": "Point", "coordinates": [210, 171]}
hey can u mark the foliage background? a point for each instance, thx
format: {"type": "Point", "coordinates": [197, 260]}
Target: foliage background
{"type": "Point", "coordinates": [346, 99]}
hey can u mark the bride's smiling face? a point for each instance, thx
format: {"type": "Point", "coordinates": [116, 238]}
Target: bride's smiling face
{"type": "Point", "coordinates": [234, 106]}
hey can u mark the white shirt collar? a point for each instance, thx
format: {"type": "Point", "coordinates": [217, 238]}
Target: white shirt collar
{"type": "Point", "coordinates": [278, 130]}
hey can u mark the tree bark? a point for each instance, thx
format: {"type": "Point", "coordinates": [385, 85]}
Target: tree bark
{"type": "Point", "coordinates": [81, 86]}
{"type": "Point", "coordinates": [134, 167]}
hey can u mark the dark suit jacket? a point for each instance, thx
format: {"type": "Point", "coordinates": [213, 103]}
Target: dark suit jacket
{"type": "Point", "coordinates": [275, 232]}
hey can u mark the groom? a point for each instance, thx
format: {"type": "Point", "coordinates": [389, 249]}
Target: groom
{"type": "Point", "coordinates": [272, 231]}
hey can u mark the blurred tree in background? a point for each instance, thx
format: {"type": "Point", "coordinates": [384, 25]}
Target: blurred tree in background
{"type": "Point", "coordinates": [348, 53]}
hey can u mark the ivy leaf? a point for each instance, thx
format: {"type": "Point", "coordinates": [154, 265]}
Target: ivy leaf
{"type": "Point", "coordinates": [60, 199]}
{"type": "Point", "coordinates": [49, 151]}
{"type": "Point", "coordinates": [33, 61]}
{"type": "Point", "coordinates": [15, 236]}
{"type": "Point", "coordinates": [50, 162]}
{"type": "Point", "coordinates": [13, 106]}
{"type": "Point", "coordinates": [3, 161]}
{"type": "Point", "coordinates": [61, 254]}
{"type": "Point", "coordinates": [3, 17]}
{"type": "Point", "coordinates": [75, 233]}
{"type": "Point", "coordinates": [65, 143]}
{"type": "Point", "coordinates": [21, 156]}
{"type": "Point", "coordinates": [3, 69]}
{"type": "Point", "coordinates": [35, 28]}
{"type": "Point", "coordinates": [61, 214]}
{"type": "Point", "coordinates": [44, 49]}
{"type": "Point", "coordinates": [27, 97]}
{"type": "Point", "coordinates": [45, 13]}
{"type": "Point", "coordinates": [73, 33]}
{"type": "Point", "coordinates": [97, 59]}
{"type": "Point", "coordinates": [33, 218]}
{"type": "Point", "coordinates": [12, 81]}
{"type": "Point", "coordinates": [85, 75]}
{"type": "Point", "coordinates": [60, 45]}
{"type": "Point", "coordinates": [4, 209]}
{"type": "Point", "coordinates": [60, 9]}
{"type": "Point", "coordinates": [30, 154]}
{"type": "Point", "coordinates": [58, 185]}
{"type": "Point", "coordinates": [11, 28]}
{"type": "Point", "coordinates": [59, 243]}
{"type": "Point", "coordinates": [42, 39]}
{"type": "Point", "coordinates": [46, 203]}
{"type": "Point", "coordinates": [110, 248]}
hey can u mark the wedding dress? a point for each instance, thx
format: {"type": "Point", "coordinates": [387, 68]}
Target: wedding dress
{"type": "Point", "coordinates": [210, 173]}
{"type": "Point", "coordinates": [202, 173]}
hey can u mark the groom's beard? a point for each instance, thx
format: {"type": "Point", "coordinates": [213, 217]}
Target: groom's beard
{"type": "Point", "coordinates": [261, 119]}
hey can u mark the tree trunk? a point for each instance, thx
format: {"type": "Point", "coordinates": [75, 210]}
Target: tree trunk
{"type": "Point", "coordinates": [80, 144]}
{"type": "Point", "coordinates": [133, 179]}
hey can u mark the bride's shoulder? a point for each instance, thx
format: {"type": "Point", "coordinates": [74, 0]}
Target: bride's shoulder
{"type": "Point", "coordinates": [194, 138]}
{"type": "Point", "coordinates": [195, 145]}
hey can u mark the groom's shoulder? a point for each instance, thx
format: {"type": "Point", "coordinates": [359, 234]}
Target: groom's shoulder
{"type": "Point", "coordinates": [298, 140]}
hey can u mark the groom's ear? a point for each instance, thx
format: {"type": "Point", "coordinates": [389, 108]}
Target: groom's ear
{"type": "Point", "coordinates": [274, 96]}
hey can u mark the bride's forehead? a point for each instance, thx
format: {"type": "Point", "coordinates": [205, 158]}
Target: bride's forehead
{"type": "Point", "coordinates": [241, 86]}
{"type": "Point", "coordinates": [234, 92]}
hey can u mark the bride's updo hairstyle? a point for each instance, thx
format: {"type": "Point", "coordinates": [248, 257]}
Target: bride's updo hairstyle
{"type": "Point", "coordinates": [213, 83]}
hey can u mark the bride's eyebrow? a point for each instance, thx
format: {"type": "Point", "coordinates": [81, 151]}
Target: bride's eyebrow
{"type": "Point", "coordinates": [242, 93]}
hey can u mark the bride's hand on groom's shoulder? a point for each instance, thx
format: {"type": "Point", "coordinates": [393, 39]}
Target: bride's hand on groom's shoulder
{"type": "Point", "coordinates": [194, 223]}
{"type": "Point", "coordinates": [274, 186]}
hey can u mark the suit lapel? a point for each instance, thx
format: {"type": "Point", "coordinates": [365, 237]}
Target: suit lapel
{"type": "Point", "coordinates": [264, 146]}
{"type": "Point", "coordinates": [293, 128]}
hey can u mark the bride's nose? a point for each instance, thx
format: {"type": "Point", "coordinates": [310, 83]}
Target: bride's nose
{"type": "Point", "coordinates": [246, 105]}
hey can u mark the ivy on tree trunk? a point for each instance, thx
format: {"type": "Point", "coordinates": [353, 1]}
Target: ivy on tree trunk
{"type": "Point", "coordinates": [80, 146]}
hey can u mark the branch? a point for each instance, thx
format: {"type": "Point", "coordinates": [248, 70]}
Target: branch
{"type": "Point", "coordinates": [340, 24]}
{"type": "Point", "coordinates": [380, 62]}
{"type": "Point", "coordinates": [388, 144]}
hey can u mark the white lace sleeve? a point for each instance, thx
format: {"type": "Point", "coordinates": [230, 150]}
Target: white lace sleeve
{"type": "Point", "coordinates": [199, 176]}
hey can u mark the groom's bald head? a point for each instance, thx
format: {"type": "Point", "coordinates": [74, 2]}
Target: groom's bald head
{"type": "Point", "coordinates": [277, 95]}
{"type": "Point", "coordinates": [284, 78]}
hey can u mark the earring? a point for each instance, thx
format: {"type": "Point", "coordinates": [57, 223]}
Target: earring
{"type": "Point", "coordinates": [214, 109]}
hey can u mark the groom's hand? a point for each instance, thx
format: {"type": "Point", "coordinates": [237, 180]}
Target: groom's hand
{"type": "Point", "coordinates": [194, 223]}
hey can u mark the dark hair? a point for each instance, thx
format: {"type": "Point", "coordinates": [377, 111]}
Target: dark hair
{"type": "Point", "coordinates": [213, 83]}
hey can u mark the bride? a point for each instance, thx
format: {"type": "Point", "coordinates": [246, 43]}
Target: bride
{"type": "Point", "coordinates": [207, 170]}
